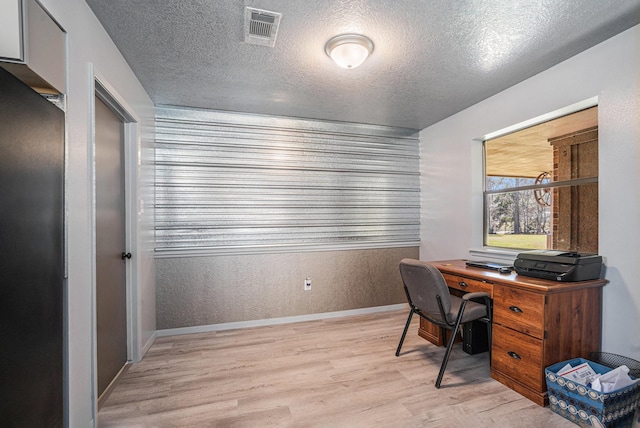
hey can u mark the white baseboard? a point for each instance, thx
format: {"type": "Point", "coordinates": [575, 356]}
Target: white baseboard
{"type": "Point", "coordinates": [274, 321]}
{"type": "Point", "coordinates": [148, 344]}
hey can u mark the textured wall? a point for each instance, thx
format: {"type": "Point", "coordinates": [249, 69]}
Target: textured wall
{"type": "Point", "coordinates": [450, 229]}
{"type": "Point", "coordinates": [212, 290]}
{"type": "Point", "coordinates": [233, 182]}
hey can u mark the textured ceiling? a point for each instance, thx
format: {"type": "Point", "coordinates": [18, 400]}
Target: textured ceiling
{"type": "Point", "coordinates": [432, 58]}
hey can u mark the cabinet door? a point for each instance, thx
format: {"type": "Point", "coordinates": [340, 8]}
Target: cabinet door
{"type": "Point", "coordinates": [11, 30]}
{"type": "Point", "coordinates": [518, 309]}
{"type": "Point", "coordinates": [518, 356]}
{"type": "Point", "coordinates": [32, 46]}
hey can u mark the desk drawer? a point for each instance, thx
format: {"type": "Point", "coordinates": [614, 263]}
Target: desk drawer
{"type": "Point", "coordinates": [467, 285]}
{"type": "Point", "coordinates": [518, 309]}
{"type": "Point", "coordinates": [517, 356]}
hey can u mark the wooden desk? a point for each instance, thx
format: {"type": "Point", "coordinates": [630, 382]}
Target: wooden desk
{"type": "Point", "coordinates": [536, 323]}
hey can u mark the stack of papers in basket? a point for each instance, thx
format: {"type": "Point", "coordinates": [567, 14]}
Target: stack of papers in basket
{"type": "Point", "coordinates": [584, 374]}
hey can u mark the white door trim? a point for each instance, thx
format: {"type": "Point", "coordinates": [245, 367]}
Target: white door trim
{"type": "Point", "coordinates": [100, 86]}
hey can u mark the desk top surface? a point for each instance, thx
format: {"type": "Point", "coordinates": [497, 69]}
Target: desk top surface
{"type": "Point", "coordinates": [458, 267]}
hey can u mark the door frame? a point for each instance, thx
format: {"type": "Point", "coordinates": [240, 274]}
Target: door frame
{"type": "Point", "coordinates": [100, 87]}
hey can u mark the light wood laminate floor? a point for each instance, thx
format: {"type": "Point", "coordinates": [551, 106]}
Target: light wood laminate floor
{"type": "Point", "coordinates": [339, 372]}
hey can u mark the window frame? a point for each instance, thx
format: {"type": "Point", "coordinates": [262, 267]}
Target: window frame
{"type": "Point", "coordinates": [564, 111]}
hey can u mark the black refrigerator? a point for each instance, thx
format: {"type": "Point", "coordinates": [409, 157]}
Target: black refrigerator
{"type": "Point", "coordinates": [31, 257]}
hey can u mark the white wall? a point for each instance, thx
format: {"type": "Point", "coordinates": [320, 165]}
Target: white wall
{"type": "Point", "coordinates": [89, 44]}
{"type": "Point", "coordinates": [451, 168]}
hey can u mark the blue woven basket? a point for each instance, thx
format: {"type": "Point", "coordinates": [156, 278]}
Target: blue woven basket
{"type": "Point", "coordinates": [587, 407]}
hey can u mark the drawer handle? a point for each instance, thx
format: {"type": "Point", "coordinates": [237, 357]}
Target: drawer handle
{"type": "Point", "coordinates": [515, 309]}
{"type": "Point", "coordinates": [514, 355]}
{"type": "Point", "coordinates": [463, 284]}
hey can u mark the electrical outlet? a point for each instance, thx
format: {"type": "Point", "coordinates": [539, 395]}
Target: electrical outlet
{"type": "Point", "coordinates": [307, 284]}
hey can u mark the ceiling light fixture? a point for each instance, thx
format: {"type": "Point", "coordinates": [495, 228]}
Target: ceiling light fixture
{"type": "Point", "coordinates": [349, 50]}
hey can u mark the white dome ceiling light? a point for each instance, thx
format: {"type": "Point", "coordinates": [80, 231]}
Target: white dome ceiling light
{"type": "Point", "coordinates": [349, 50]}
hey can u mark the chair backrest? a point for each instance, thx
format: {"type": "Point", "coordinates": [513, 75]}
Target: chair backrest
{"type": "Point", "coordinates": [423, 282]}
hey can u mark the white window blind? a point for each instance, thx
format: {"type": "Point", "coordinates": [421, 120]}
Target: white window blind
{"type": "Point", "coordinates": [235, 183]}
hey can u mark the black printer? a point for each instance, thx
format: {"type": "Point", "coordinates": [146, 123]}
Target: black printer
{"type": "Point", "coordinates": [558, 265]}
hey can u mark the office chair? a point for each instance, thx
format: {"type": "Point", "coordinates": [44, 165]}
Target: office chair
{"type": "Point", "coordinates": [430, 298]}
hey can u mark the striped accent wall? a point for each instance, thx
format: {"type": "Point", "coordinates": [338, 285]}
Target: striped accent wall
{"type": "Point", "coordinates": [229, 183]}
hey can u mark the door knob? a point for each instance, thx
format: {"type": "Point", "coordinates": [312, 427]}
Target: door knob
{"type": "Point", "coordinates": [126, 256]}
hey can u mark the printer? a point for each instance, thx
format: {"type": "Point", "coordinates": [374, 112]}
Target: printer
{"type": "Point", "coordinates": [558, 265]}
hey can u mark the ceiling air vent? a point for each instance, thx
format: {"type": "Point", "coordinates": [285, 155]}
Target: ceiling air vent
{"type": "Point", "coordinates": [261, 26]}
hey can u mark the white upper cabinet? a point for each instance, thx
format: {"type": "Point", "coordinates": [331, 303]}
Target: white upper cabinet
{"type": "Point", "coordinates": [11, 30]}
{"type": "Point", "coordinates": [32, 45]}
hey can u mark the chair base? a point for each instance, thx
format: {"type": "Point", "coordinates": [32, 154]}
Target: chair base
{"type": "Point", "coordinates": [404, 332]}
{"type": "Point", "coordinates": [450, 343]}
{"type": "Point", "coordinates": [452, 340]}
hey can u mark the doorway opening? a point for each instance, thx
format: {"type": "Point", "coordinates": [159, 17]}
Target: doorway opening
{"type": "Point", "coordinates": [114, 247]}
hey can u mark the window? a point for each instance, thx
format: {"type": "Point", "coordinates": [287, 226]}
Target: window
{"type": "Point", "coordinates": [541, 186]}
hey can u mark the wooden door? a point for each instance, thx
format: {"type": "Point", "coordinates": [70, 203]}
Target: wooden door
{"type": "Point", "coordinates": [111, 297]}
